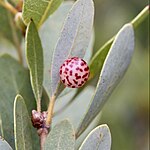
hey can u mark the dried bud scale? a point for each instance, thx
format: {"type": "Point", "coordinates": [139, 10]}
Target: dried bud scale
{"type": "Point", "coordinates": [39, 119]}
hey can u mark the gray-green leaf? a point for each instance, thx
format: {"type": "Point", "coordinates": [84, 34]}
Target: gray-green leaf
{"type": "Point", "coordinates": [22, 125]}
{"type": "Point", "coordinates": [49, 33]}
{"type": "Point", "coordinates": [98, 139]}
{"type": "Point", "coordinates": [115, 65]}
{"type": "Point", "coordinates": [39, 10]}
{"type": "Point", "coordinates": [4, 145]}
{"type": "Point", "coordinates": [74, 38]}
{"type": "Point", "coordinates": [34, 54]}
{"type": "Point", "coordinates": [61, 137]}
{"type": "Point", "coordinates": [14, 79]}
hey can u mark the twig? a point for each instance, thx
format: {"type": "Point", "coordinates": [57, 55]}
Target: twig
{"type": "Point", "coordinates": [43, 137]}
{"type": "Point", "coordinates": [9, 7]}
{"type": "Point", "coordinates": [17, 43]}
{"type": "Point", "coordinates": [50, 111]}
{"type": "Point", "coordinates": [44, 131]}
{"type": "Point", "coordinates": [14, 11]}
{"type": "Point", "coordinates": [19, 5]}
{"type": "Point", "coordinates": [39, 105]}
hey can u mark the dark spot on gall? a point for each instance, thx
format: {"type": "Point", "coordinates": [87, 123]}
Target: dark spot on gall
{"type": "Point", "coordinates": [86, 69]}
{"type": "Point", "coordinates": [66, 69]}
{"type": "Point", "coordinates": [71, 73]}
{"type": "Point", "coordinates": [82, 64]}
{"type": "Point", "coordinates": [68, 80]}
{"type": "Point", "coordinates": [84, 75]}
{"type": "Point", "coordinates": [81, 70]}
{"type": "Point", "coordinates": [76, 82]}
{"type": "Point", "coordinates": [77, 68]}
{"type": "Point", "coordinates": [78, 77]}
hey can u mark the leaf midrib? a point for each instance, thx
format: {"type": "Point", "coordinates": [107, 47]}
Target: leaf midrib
{"type": "Point", "coordinates": [60, 135]}
{"type": "Point", "coordinates": [45, 13]}
{"type": "Point", "coordinates": [35, 70]}
{"type": "Point", "coordinates": [77, 30]}
{"type": "Point", "coordinates": [78, 26]}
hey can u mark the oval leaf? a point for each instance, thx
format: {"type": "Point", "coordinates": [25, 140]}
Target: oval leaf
{"type": "Point", "coordinates": [61, 137]}
{"type": "Point", "coordinates": [39, 10]}
{"type": "Point", "coordinates": [74, 38]}
{"type": "Point", "coordinates": [4, 145]}
{"type": "Point", "coordinates": [34, 54]}
{"type": "Point", "coordinates": [49, 33]}
{"type": "Point", "coordinates": [98, 139]}
{"type": "Point", "coordinates": [14, 79]}
{"type": "Point", "coordinates": [22, 125]}
{"type": "Point", "coordinates": [115, 65]}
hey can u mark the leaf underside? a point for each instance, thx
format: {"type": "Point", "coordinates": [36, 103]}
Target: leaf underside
{"type": "Point", "coordinates": [98, 139]}
{"type": "Point", "coordinates": [49, 33]}
{"type": "Point", "coordinates": [61, 137]}
{"type": "Point", "coordinates": [4, 145]}
{"type": "Point", "coordinates": [74, 38]}
{"type": "Point", "coordinates": [115, 66]}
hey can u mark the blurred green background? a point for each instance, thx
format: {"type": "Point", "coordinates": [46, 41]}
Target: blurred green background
{"type": "Point", "coordinates": [127, 110]}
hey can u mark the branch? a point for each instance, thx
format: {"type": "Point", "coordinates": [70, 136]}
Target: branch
{"type": "Point", "coordinates": [50, 111]}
